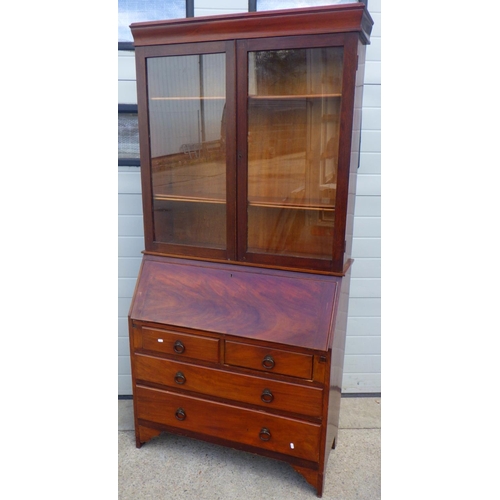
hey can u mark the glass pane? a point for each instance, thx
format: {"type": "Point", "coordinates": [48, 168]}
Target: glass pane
{"type": "Point", "coordinates": [293, 139]}
{"type": "Point", "coordinates": [295, 4]}
{"type": "Point", "coordinates": [128, 135]}
{"type": "Point", "coordinates": [186, 111]}
{"type": "Point", "coordinates": [133, 11]}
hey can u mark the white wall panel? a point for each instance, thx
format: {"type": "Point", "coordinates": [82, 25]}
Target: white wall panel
{"type": "Point", "coordinates": [370, 163]}
{"type": "Point", "coordinates": [124, 385]}
{"type": "Point", "coordinates": [367, 206]}
{"type": "Point", "coordinates": [123, 306]}
{"type": "Point", "coordinates": [367, 227]}
{"type": "Point", "coordinates": [362, 364]}
{"type": "Point", "coordinates": [364, 326]}
{"type": "Point", "coordinates": [127, 92]}
{"type": "Point", "coordinates": [130, 246]}
{"type": "Point", "coordinates": [126, 66]}
{"type": "Point", "coordinates": [130, 182]}
{"type": "Point", "coordinates": [364, 307]}
{"type": "Point", "coordinates": [129, 204]}
{"type": "Point", "coordinates": [366, 268]}
{"type": "Point", "coordinates": [130, 225]}
{"type": "Point", "coordinates": [373, 51]}
{"type": "Point", "coordinates": [126, 287]}
{"type": "Point", "coordinates": [365, 287]}
{"type": "Point", "coordinates": [363, 345]}
{"type": "Point", "coordinates": [372, 72]}
{"type": "Point", "coordinates": [368, 185]}
{"type": "Point", "coordinates": [371, 96]}
{"type": "Point", "coordinates": [361, 382]}
{"type": "Point", "coordinates": [128, 267]}
{"type": "Point", "coordinates": [124, 365]}
{"type": "Point", "coordinates": [123, 327]}
{"type": "Point", "coordinates": [366, 247]}
{"type": "Point", "coordinates": [376, 30]}
{"type": "Point", "coordinates": [371, 119]}
{"type": "Point", "coordinates": [123, 346]}
{"type": "Point", "coordinates": [370, 141]}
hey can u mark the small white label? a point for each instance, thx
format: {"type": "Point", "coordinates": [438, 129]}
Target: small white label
{"type": "Point", "coordinates": [292, 446]}
{"type": "Point", "coordinates": [160, 340]}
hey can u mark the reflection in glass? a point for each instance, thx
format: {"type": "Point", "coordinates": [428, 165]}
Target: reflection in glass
{"type": "Point", "coordinates": [293, 130]}
{"type": "Point", "coordinates": [186, 108]}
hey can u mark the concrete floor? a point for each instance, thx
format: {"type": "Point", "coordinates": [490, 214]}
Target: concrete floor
{"type": "Point", "coordinates": [177, 468]}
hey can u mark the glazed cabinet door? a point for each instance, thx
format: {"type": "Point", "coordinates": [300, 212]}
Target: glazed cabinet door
{"type": "Point", "coordinates": [245, 149]}
{"type": "Point", "coordinates": [187, 148]}
{"type": "Point", "coordinates": [291, 107]}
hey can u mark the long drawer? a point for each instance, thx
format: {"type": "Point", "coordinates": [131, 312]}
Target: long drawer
{"type": "Point", "coordinates": [264, 392]}
{"type": "Point", "coordinates": [259, 429]}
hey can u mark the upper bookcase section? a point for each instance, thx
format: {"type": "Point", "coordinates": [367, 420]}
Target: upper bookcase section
{"type": "Point", "coordinates": [249, 129]}
{"type": "Point", "coordinates": [316, 20]}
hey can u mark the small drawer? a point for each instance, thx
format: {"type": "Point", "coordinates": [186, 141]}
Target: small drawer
{"type": "Point", "coordinates": [269, 360]}
{"type": "Point", "coordinates": [224, 421]}
{"type": "Point", "coordinates": [270, 394]}
{"type": "Point", "coordinates": [181, 344]}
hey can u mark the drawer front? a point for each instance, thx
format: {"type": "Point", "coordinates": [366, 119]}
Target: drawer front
{"type": "Point", "coordinates": [253, 428]}
{"type": "Point", "coordinates": [270, 394]}
{"type": "Point", "coordinates": [269, 360]}
{"type": "Point", "coordinates": [181, 344]}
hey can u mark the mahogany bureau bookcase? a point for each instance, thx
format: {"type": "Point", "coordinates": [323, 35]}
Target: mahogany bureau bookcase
{"type": "Point", "coordinates": [249, 140]}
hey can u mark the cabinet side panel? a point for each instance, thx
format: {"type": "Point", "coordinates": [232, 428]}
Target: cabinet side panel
{"type": "Point", "coordinates": [355, 148]}
{"type": "Point", "coordinates": [337, 363]}
{"type": "Point", "coordinates": [345, 147]}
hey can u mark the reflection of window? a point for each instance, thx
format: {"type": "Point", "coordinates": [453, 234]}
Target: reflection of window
{"type": "Point", "coordinates": [133, 11]}
{"type": "Point", "coordinates": [258, 5]}
{"type": "Point", "coordinates": [128, 135]}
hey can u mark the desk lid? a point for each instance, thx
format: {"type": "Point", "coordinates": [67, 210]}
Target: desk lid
{"type": "Point", "coordinates": [285, 307]}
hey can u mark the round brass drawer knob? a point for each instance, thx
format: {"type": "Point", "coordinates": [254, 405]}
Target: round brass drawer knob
{"type": "Point", "coordinates": [264, 434]}
{"type": "Point", "coordinates": [179, 347]}
{"type": "Point", "coordinates": [267, 396]}
{"type": "Point", "coordinates": [180, 414]}
{"type": "Point", "coordinates": [268, 362]}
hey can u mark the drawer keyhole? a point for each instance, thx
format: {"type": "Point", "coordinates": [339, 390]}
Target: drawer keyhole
{"type": "Point", "coordinates": [264, 434]}
{"type": "Point", "coordinates": [179, 347]}
{"type": "Point", "coordinates": [180, 414]}
{"type": "Point", "coordinates": [268, 362]}
{"type": "Point", "coordinates": [179, 378]}
{"type": "Point", "coordinates": [267, 396]}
